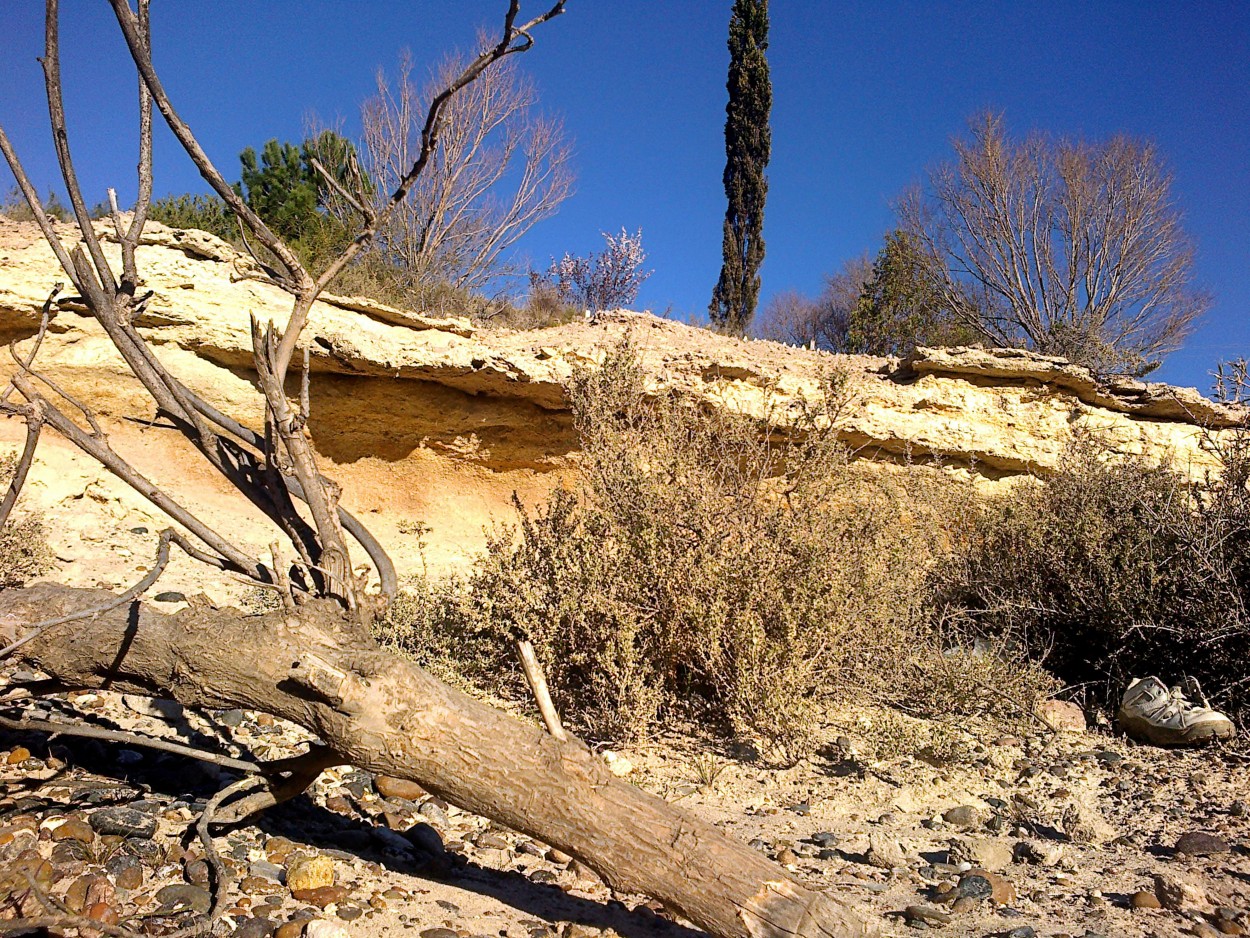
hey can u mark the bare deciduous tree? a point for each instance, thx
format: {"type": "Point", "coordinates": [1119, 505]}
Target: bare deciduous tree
{"type": "Point", "coordinates": [822, 322]}
{"type": "Point", "coordinates": [1063, 246]}
{"type": "Point", "coordinates": [315, 662]}
{"type": "Point", "coordinates": [498, 170]}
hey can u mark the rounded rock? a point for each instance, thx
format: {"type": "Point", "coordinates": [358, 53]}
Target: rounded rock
{"type": "Point", "coordinates": [122, 821]}
{"type": "Point", "coordinates": [304, 873]}
{"type": "Point", "coordinates": [1144, 900]}
{"type": "Point", "coordinates": [389, 787]}
{"type": "Point", "coordinates": [1201, 844]}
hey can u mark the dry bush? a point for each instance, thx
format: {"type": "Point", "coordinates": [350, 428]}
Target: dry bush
{"type": "Point", "coordinates": [709, 568]}
{"type": "Point", "coordinates": [1112, 569]}
{"type": "Point", "coordinates": [713, 569]}
{"type": "Point", "coordinates": [24, 550]}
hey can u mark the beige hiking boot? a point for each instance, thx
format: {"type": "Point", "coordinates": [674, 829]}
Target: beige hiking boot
{"type": "Point", "coordinates": [1151, 713]}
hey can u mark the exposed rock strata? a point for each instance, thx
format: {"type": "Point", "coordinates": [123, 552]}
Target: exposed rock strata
{"type": "Point", "coordinates": [450, 419]}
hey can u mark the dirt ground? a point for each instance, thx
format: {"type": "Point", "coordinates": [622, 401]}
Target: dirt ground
{"type": "Point", "coordinates": [1077, 834]}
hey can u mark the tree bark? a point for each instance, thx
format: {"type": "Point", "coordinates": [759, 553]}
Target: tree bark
{"type": "Point", "coordinates": [324, 672]}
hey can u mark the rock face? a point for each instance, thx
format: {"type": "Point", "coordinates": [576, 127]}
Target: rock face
{"type": "Point", "coordinates": [435, 420]}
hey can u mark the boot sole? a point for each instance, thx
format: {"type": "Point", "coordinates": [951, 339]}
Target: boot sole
{"type": "Point", "coordinates": [1143, 730]}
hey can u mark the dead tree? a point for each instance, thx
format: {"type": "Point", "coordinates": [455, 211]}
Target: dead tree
{"type": "Point", "coordinates": [315, 662]}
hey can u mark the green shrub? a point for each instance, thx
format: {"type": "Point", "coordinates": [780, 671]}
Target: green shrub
{"type": "Point", "coordinates": [1115, 568]}
{"type": "Point", "coordinates": [201, 212]}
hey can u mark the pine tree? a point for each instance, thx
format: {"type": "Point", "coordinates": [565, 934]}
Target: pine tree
{"type": "Point", "coordinates": [748, 141]}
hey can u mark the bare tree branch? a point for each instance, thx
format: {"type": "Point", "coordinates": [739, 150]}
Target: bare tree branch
{"type": "Point", "coordinates": [34, 425]}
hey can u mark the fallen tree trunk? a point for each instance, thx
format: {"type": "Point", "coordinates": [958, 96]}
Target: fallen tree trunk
{"type": "Point", "coordinates": [323, 671]}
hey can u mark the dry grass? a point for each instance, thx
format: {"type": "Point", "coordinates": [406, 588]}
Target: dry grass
{"type": "Point", "coordinates": [24, 550]}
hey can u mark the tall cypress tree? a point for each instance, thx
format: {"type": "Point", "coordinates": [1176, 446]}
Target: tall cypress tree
{"type": "Point", "coordinates": [748, 141]}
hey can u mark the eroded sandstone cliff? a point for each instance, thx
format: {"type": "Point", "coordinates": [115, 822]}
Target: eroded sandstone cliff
{"type": "Point", "coordinates": [437, 421]}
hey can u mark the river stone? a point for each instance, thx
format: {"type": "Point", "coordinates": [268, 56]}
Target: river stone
{"type": "Point", "coordinates": [182, 896]}
{"type": "Point", "coordinates": [965, 815]}
{"type": "Point", "coordinates": [389, 787]}
{"type": "Point", "coordinates": [124, 821]}
{"type": "Point", "coordinates": [1201, 844]}
{"type": "Point", "coordinates": [255, 927]}
{"type": "Point", "coordinates": [126, 870]}
{"type": "Point", "coordinates": [74, 828]}
{"type": "Point", "coordinates": [319, 928]}
{"type": "Point", "coordinates": [433, 812]}
{"type": "Point", "coordinates": [304, 873]}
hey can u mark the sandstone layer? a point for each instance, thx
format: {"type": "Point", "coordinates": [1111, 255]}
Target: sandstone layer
{"type": "Point", "coordinates": [438, 422]}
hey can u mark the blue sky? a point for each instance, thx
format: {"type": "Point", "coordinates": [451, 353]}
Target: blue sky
{"type": "Point", "coordinates": [866, 96]}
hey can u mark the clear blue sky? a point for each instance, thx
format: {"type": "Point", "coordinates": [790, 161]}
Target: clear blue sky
{"type": "Point", "coordinates": [866, 96]}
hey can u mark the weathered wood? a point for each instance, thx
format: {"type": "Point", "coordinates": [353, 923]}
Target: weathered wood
{"type": "Point", "coordinates": [381, 713]}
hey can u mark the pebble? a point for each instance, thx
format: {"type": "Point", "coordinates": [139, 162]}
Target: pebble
{"type": "Point", "coordinates": [927, 914]}
{"type": "Point", "coordinates": [181, 896]}
{"type": "Point", "coordinates": [1144, 900]}
{"type": "Point", "coordinates": [973, 886]}
{"type": "Point", "coordinates": [965, 815]}
{"type": "Point", "coordinates": [74, 828]}
{"type": "Point", "coordinates": [124, 821]}
{"type": "Point", "coordinates": [1201, 844]}
{"type": "Point", "coordinates": [305, 873]}
{"type": "Point", "coordinates": [18, 755]}
{"type": "Point", "coordinates": [389, 787]}
{"type": "Point", "coordinates": [1001, 891]}
{"type": "Point", "coordinates": [425, 839]}
{"type": "Point", "coordinates": [1021, 931]}
{"type": "Point", "coordinates": [254, 928]}
{"type": "Point", "coordinates": [231, 718]}
{"type": "Point", "coordinates": [433, 812]}
{"type": "Point", "coordinates": [824, 839]}
{"type": "Point", "coordinates": [321, 896]}
{"type": "Point", "coordinates": [89, 890]}
{"type": "Point", "coordinates": [492, 840]}
{"type": "Point", "coordinates": [319, 928]}
{"type": "Point", "coordinates": [278, 849]}
{"type": "Point", "coordinates": [267, 870]}
{"type": "Point", "coordinates": [291, 929]}
{"type": "Point", "coordinates": [126, 870]}
{"type": "Point", "coordinates": [439, 933]}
